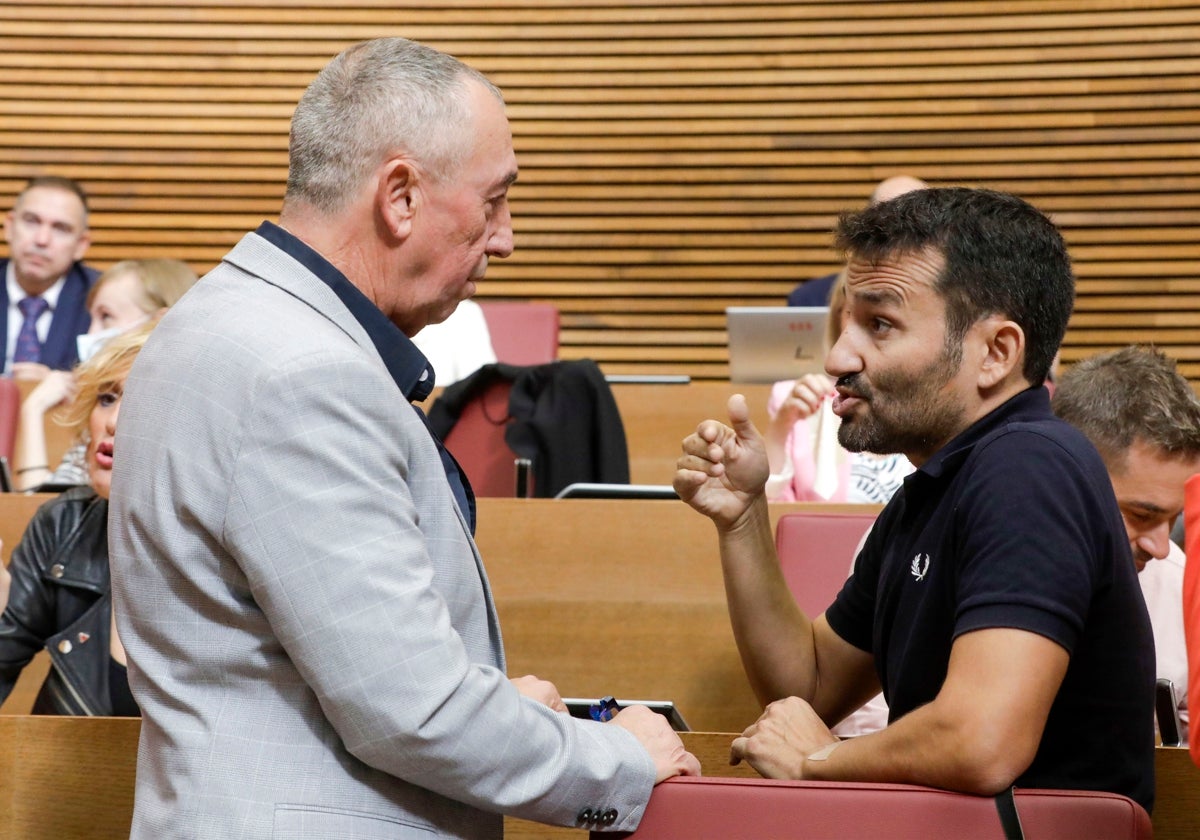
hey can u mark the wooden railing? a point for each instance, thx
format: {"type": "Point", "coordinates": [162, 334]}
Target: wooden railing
{"type": "Point", "coordinates": [74, 777]}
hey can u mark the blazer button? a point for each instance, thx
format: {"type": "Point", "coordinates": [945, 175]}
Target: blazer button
{"type": "Point", "coordinates": [610, 816]}
{"type": "Point", "coordinates": [64, 646]}
{"type": "Point", "coordinates": [584, 816]}
{"type": "Point", "coordinates": [56, 571]}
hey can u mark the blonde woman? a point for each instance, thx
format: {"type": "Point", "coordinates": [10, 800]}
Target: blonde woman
{"type": "Point", "coordinates": [128, 294]}
{"type": "Point", "coordinates": [59, 597]}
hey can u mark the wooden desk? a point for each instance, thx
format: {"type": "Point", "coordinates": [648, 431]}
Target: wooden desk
{"type": "Point", "coordinates": [658, 417]}
{"type": "Point", "coordinates": [1176, 812]}
{"type": "Point", "coordinates": [63, 777]}
{"type": "Point", "coordinates": [598, 596]}
{"type": "Point", "coordinates": [619, 597]}
{"type": "Point", "coordinates": [74, 777]}
{"type": "Point", "coordinates": [16, 509]}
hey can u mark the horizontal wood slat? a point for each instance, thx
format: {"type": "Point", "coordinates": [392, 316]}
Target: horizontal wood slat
{"type": "Point", "coordinates": [676, 157]}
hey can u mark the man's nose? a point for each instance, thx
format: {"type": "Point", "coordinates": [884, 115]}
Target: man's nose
{"type": "Point", "coordinates": [1156, 542]}
{"type": "Point", "coordinates": [842, 358]}
{"type": "Point", "coordinates": [500, 244]}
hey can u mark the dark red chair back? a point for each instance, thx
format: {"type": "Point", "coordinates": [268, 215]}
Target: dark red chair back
{"type": "Point", "coordinates": [816, 551]}
{"type": "Point", "coordinates": [522, 333]}
{"type": "Point", "coordinates": [751, 809]}
{"type": "Point", "coordinates": [477, 443]}
{"type": "Point", "coordinates": [10, 410]}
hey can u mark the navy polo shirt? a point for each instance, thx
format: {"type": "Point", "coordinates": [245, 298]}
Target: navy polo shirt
{"type": "Point", "coordinates": [1014, 524]}
{"type": "Point", "coordinates": [408, 367]}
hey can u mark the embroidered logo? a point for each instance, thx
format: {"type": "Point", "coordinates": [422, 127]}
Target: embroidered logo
{"type": "Point", "coordinates": [920, 565]}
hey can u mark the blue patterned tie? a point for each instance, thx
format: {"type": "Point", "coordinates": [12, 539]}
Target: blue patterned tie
{"type": "Point", "coordinates": [29, 348]}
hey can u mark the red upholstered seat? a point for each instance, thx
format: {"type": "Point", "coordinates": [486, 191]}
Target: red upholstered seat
{"type": "Point", "coordinates": [522, 333]}
{"type": "Point", "coordinates": [10, 409]}
{"type": "Point", "coordinates": [760, 809]}
{"type": "Point", "coordinates": [816, 551]}
{"type": "Point", "coordinates": [477, 442]}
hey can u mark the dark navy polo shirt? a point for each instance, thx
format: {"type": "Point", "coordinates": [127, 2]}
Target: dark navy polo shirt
{"type": "Point", "coordinates": [409, 368]}
{"type": "Point", "coordinates": [1014, 524]}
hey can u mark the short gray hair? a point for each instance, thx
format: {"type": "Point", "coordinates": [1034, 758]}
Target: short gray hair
{"type": "Point", "coordinates": [1128, 395]}
{"type": "Point", "coordinates": [374, 99]}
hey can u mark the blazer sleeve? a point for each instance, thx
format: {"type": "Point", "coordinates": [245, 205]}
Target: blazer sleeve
{"type": "Point", "coordinates": [382, 604]}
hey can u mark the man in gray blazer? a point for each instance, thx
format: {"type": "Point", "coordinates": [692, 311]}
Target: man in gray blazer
{"type": "Point", "coordinates": [310, 631]}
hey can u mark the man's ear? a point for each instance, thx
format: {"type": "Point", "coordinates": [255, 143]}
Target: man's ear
{"type": "Point", "coordinates": [397, 197]}
{"type": "Point", "coordinates": [82, 245]}
{"type": "Point", "coordinates": [1004, 350]}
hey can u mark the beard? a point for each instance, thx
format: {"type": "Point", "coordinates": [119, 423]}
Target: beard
{"type": "Point", "coordinates": [905, 412]}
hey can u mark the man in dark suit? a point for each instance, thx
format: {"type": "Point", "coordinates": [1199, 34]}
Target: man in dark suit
{"type": "Point", "coordinates": [45, 288]}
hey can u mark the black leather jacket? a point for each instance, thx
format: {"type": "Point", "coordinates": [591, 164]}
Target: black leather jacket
{"type": "Point", "coordinates": [60, 599]}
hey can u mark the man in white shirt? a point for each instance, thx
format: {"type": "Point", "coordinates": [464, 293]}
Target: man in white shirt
{"type": "Point", "coordinates": [1145, 419]}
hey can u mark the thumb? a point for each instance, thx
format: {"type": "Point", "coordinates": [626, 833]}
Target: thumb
{"type": "Point", "coordinates": [739, 418]}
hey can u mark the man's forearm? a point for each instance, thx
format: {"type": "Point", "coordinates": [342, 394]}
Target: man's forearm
{"type": "Point", "coordinates": [922, 748]}
{"type": "Point", "coordinates": [774, 638]}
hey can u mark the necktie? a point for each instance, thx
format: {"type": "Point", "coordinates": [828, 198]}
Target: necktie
{"type": "Point", "coordinates": [29, 348]}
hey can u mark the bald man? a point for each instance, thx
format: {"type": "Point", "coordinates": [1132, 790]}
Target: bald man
{"type": "Point", "coordinates": [815, 292]}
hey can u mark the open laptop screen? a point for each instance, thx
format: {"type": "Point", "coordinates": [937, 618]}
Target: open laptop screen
{"type": "Point", "coordinates": [770, 343]}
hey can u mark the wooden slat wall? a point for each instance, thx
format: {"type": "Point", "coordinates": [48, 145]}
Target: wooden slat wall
{"type": "Point", "coordinates": [677, 157]}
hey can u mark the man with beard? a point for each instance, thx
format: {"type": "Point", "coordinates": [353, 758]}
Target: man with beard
{"type": "Point", "coordinates": [994, 602]}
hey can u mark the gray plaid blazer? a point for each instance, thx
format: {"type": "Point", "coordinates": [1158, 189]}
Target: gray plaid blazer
{"type": "Point", "coordinates": [311, 634]}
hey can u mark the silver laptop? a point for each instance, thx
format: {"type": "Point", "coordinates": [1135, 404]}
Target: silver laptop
{"type": "Point", "coordinates": [770, 343]}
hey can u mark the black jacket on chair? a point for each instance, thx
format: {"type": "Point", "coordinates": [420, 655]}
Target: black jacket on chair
{"type": "Point", "coordinates": [562, 416]}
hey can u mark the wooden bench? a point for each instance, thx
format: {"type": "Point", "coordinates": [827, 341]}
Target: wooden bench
{"type": "Point", "coordinates": [658, 417]}
{"type": "Point", "coordinates": [599, 596]}
{"type": "Point", "coordinates": [16, 509]}
{"type": "Point", "coordinates": [74, 777]}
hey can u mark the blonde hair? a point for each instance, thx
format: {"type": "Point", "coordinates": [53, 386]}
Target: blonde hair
{"type": "Point", "coordinates": [103, 373]}
{"type": "Point", "coordinates": [161, 282]}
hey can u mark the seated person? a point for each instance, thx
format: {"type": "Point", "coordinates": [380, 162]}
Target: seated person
{"type": "Point", "coordinates": [994, 601]}
{"type": "Point", "coordinates": [807, 462]}
{"type": "Point", "coordinates": [128, 294]}
{"type": "Point", "coordinates": [458, 346]}
{"type": "Point", "coordinates": [1144, 419]}
{"type": "Point", "coordinates": [59, 598]}
{"type": "Point", "coordinates": [44, 281]}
